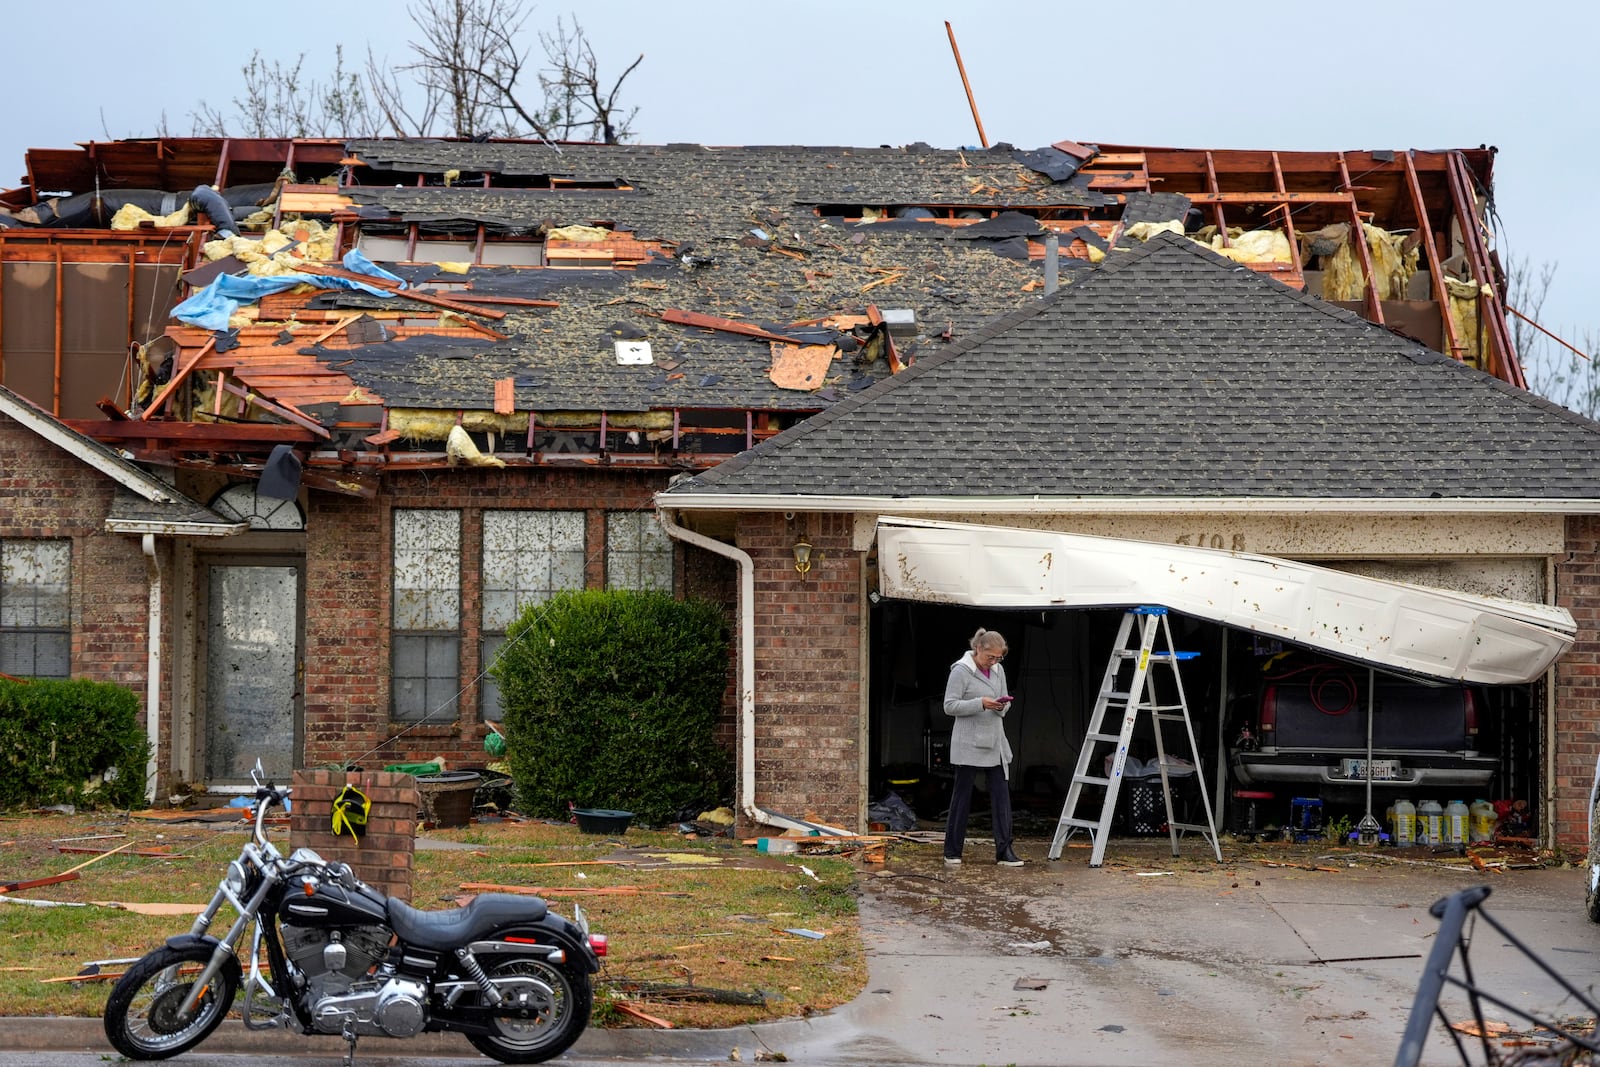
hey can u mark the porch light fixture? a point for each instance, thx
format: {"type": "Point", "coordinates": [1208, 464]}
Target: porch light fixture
{"type": "Point", "coordinates": [802, 557]}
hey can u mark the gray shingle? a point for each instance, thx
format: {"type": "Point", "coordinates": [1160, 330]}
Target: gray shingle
{"type": "Point", "coordinates": [1174, 372]}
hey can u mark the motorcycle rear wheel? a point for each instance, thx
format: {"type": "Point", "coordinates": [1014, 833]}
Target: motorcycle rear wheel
{"type": "Point", "coordinates": [140, 1013]}
{"type": "Point", "coordinates": [546, 1009]}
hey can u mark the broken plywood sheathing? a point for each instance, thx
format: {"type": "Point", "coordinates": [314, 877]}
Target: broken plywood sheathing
{"type": "Point", "coordinates": [773, 239]}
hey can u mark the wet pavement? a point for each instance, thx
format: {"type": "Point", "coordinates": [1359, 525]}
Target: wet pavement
{"type": "Point", "coordinates": [1261, 959]}
{"type": "Point", "coordinates": [1151, 959]}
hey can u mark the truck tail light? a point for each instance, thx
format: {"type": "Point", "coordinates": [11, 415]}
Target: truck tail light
{"type": "Point", "coordinates": [1470, 708]}
{"type": "Point", "coordinates": [1268, 722]}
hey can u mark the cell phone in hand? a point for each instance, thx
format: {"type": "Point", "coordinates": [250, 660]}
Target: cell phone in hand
{"type": "Point", "coordinates": [1005, 700]}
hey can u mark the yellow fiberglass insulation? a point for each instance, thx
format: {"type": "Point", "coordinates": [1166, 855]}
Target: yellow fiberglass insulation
{"type": "Point", "coordinates": [577, 233]}
{"type": "Point", "coordinates": [130, 216]}
{"type": "Point", "coordinates": [1254, 246]}
{"type": "Point", "coordinates": [460, 449]}
{"type": "Point", "coordinates": [1143, 231]}
{"type": "Point", "coordinates": [1392, 267]}
{"type": "Point", "coordinates": [275, 252]}
{"type": "Point", "coordinates": [1464, 317]}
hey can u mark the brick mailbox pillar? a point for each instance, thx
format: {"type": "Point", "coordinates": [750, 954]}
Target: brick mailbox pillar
{"type": "Point", "coordinates": [381, 857]}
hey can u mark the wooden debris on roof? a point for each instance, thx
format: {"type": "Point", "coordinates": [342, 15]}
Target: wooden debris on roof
{"type": "Point", "coordinates": [801, 366]}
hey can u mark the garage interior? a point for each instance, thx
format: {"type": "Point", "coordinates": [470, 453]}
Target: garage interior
{"type": "Point", "coordinates": [1054, 666]}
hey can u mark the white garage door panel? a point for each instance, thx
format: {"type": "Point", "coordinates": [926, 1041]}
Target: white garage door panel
{"type": "Point", "coordinates": [1437, 631]}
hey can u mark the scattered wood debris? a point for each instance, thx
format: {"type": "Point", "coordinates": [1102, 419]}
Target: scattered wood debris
{"type": "Point", "coordinates": [629, 1009]}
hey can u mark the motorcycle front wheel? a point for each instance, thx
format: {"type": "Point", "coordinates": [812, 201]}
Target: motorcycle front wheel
{"type": "Point", "coordinates": [142, 1012]}
{"type": "Point", "coordinates": [545, 1008]}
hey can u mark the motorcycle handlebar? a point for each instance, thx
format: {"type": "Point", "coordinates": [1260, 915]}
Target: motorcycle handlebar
{"type": "Point", "coordinates": [266, 797]}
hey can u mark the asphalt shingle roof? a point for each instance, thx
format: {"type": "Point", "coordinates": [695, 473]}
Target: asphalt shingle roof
{"type": "Point", "coordinates": [1174, 372]}
{"type": "Point", "coordinates": [706, 201]}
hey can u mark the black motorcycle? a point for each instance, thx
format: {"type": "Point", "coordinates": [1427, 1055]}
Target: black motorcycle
{"type": "Point", "coordinates": [342, 958]}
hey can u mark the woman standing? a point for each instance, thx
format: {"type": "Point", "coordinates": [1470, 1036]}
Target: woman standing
{"type": "Point", "coordinates": [976, 697]}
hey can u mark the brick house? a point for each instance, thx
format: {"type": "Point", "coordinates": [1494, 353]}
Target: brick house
{"type": "Point", "coordinates": [560, 331]}
{"type": "Point", "coordinates": [1171, 397]}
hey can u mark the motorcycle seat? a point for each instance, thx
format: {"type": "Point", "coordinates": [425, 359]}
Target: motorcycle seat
{"type": "Point", "coordinates": [443, 931]}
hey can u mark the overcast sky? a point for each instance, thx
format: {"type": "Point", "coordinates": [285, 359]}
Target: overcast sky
{"type": "Point", "coordinates": [1362, 74]}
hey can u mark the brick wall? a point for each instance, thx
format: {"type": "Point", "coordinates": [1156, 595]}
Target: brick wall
{"type": "Point", "coordinates": [707, 576]}
{"type": "Point", "coordinates": [349, 587]}
{"type": "Point", "coordinates": [808, 668]}
{"type": "Point", "coordinates": [381, 857]}
{"type": "Point", "coordinates": [1577, 696]}
{"type": "Point", "coordinates": [47, 493]}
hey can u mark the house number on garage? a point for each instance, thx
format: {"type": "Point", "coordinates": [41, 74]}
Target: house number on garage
{"type": "Point", "coordinates": [1215, 540]}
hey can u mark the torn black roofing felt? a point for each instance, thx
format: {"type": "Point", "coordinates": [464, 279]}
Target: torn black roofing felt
{"type": "Point", "coordinates": [1051, 162]}
{"type": "Point", "coordinates": [1175, 372]}
{"type": "Point", "coordinates": [1005, 224]}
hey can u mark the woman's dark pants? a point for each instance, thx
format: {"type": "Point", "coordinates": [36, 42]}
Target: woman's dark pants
{"type": "Point", "coordinates": [955, 827]}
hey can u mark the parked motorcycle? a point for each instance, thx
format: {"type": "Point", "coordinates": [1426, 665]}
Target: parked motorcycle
{"type": "Point", "coordinates": [343, 958]}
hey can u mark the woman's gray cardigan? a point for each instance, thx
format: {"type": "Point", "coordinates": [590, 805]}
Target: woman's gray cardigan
{"type": "Point", "coordinates": [978, 737]}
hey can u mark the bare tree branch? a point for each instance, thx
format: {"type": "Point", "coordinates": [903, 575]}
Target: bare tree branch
{"type": "Point", "coordinates": [468, 77]}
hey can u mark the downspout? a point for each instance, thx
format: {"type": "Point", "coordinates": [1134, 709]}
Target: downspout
{"type": "Point", "coordinates": [747, 677]}
{"type": "Point", "coordinates": [152, 682]}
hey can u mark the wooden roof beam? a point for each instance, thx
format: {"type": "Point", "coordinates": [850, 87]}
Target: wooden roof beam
{"type": "Point", "coordinates": [1441, 295]}
{"type": "Point", "coordinates": [1491, 312]}
{"type": "Point", "coordinates": [1358, 235]}
{"type": "Point", "coordinates": [1288, 219]}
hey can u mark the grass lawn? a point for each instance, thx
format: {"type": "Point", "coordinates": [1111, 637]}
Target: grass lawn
{"type": "Point", "coordinates": [702, 923]}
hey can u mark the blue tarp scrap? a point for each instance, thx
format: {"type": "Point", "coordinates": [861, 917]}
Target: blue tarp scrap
{"type": "Point", "coordinates": [213, 306]}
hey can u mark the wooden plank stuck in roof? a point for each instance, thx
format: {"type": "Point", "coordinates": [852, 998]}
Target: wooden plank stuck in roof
{"type": "Point", "coordinates": [177, 379]}
{"type": "Point", "coordinates": [712, 322]}
{"type": "Point", "coordinates": [505, 396]}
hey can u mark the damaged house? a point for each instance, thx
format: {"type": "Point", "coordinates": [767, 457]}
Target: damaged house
{"type": "Point", "coordinates": [401, 389]}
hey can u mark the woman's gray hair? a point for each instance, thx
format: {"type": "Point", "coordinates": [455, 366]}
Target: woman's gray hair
{"type": "Point", "coordinates": [986, 639]}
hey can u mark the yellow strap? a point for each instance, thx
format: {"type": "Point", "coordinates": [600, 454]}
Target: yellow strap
{"type": "Point", "coordinates": [350, 810]}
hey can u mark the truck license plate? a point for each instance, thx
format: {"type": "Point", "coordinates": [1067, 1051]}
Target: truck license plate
{"type": "Point", "coordinates": [1383, 770]}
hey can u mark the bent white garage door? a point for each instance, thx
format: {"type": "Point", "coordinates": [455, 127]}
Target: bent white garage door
{"type": "Point", "coordinates": [1396, 625]}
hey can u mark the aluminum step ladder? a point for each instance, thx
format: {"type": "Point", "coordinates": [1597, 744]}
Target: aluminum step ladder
{"type": "Point", "coordinates": [1129, 698]}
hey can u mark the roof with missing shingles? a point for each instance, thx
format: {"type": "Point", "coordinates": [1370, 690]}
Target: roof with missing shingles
{"type": "Point", "coordinates": [745, 234]}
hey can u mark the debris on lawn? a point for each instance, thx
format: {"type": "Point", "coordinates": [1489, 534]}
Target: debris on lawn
{"type": "Point", "coordinates": [159, 852]}
{"type": "Point", "coordinates": [35, 883]}
{"type": "Point", "coordinates": [151, 907]}
{"type": "Point", "coordinates": [628, 1009]}
{"type": "Point", "coordinates": [871, 849]}
{"type": "Point", "coordinates": [558, 891]}
{"type": "Point", "coordinates": [68, 875]}
{"type": "Point", "coordinates": [642, 989]}
{"type": "Point", "coordinates": [802, 932]}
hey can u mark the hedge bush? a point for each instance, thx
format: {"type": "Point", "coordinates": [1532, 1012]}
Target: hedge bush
{"type": "Point", "coordinates": [70, 742]}
{"type": "Point", "coordinates": [610, 700]}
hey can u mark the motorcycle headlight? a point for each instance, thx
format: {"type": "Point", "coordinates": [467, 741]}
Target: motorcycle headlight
{"type": "Point", "coordinates": [235, 879]}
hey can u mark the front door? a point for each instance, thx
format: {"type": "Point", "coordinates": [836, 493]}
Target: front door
{"type": "Point", "coordinates": [252, 669]}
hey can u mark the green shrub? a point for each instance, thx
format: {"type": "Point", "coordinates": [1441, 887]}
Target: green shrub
{"type": "Point", "coordinates": [611, 700]}
{"type": "Point", "coordinates": [70, 742]}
